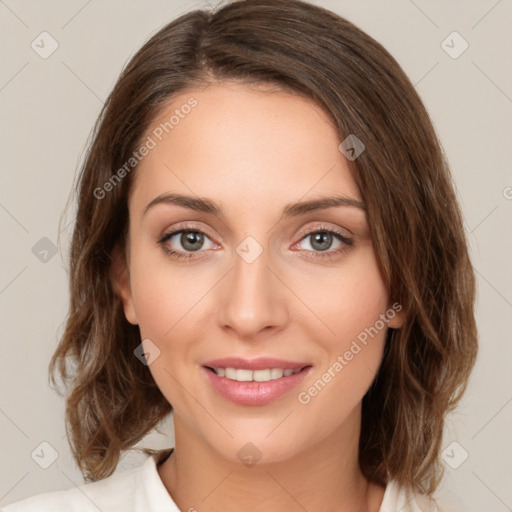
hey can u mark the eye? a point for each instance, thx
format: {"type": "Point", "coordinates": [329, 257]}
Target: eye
{"type": "Point", "coordinates": [183, 243]}
{"type": "Point", "coordinates": [322, 238]}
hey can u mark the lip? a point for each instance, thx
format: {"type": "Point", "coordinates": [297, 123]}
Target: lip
{"type": "Point", "coordinates": [259, 363]}
{"type": "Point", "coordinates": [254, 393]}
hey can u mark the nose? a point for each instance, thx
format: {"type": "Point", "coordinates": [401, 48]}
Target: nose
{"type": "Point", "coordinates": [252, 298]}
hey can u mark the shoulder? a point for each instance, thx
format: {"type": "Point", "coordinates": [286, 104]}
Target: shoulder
{"type": "Point", "coordinates": [131, 491]}
{"type": "Point", "coordinates": [400, 499]}
{"type": "Point", "coordinates": [87, 497]}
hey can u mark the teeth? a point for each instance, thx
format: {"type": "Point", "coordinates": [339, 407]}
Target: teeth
{"type": "Point", "coordinates": [264, 375]}
{"type": "Point", "coordinates": [243, 375]}
{"type": "Point", "coordinates": [256, 375]}
{"type": "Point", "coordinates": [230, 373]}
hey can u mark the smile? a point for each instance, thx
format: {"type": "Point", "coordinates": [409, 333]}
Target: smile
{"type": "Point", "coordinates": [243, 386]}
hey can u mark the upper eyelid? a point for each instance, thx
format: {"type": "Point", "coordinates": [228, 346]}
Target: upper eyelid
{"type": "Point", "coordinates": [192, 227]}
{"type": "Point", "coordinates": [172, 232]}
{"type": "Point", "coordinates": [319, 228]}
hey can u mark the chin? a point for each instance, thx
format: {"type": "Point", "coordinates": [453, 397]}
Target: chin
{"type": "Point", "coordinates": [255, 450]}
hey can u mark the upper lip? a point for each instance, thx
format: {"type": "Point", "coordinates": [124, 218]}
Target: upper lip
{"type": "Point", "coordinates": [259, 363]}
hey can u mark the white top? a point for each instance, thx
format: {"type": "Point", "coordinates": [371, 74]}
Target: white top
{"type": "Point", "coordinates": [141, 490]}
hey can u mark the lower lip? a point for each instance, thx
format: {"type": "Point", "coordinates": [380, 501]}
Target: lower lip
{"type": "Point", "coordinates": [255, 393]}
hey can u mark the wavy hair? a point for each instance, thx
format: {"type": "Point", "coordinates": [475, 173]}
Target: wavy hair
{"type": "Point", "coordinates": [112, 400]}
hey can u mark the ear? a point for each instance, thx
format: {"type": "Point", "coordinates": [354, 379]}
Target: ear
{"type": "Point", "coordinates": [120, 279]}
{"type": "Point", "coordinates": [396, 316]}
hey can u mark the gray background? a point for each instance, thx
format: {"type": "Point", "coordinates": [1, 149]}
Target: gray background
{"type": "Point", "coordinates": [47, 109]}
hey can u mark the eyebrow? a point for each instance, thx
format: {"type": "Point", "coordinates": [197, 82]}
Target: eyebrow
{"type": "Point", "coordinates": [290, 210]}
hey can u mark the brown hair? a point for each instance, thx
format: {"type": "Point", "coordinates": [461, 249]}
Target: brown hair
{"type": "Point", "coordinates": [403, 178]}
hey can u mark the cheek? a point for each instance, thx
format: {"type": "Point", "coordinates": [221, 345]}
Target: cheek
{"type": "Point", "coordinates": [167, 303]}
{"type": "Point", "coordinates": [166, 295]}
{"type": "Point", "coordinates": [347, 299]}
{"type": "Point", "coordinates": [350, 305]}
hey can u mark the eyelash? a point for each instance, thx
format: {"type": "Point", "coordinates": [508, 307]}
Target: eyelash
{"type": "Point", "coordinates": [184, 256]}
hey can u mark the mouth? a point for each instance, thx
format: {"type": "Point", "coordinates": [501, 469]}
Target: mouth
{"type": "Point", "coordinates": [245, 375]}
{"type": "Point", "coordinates": [254, 386]}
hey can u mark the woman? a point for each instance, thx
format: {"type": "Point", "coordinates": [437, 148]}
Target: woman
{"type": "Point", "coordinates": [267, 244]}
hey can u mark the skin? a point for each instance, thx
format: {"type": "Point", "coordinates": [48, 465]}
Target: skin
{"type": "Point", "coordinates": [252, 150]}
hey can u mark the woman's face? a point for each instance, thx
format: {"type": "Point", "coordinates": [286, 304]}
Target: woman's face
{"type": "Point", "coordinates": [256, 277]}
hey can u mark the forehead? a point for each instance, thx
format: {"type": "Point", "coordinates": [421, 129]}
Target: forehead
{"type": "Point", "coordinates": [242, 143]}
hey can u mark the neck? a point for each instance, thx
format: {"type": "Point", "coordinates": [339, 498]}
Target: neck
{"type": "Point", "coordinates": [324, 476]}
